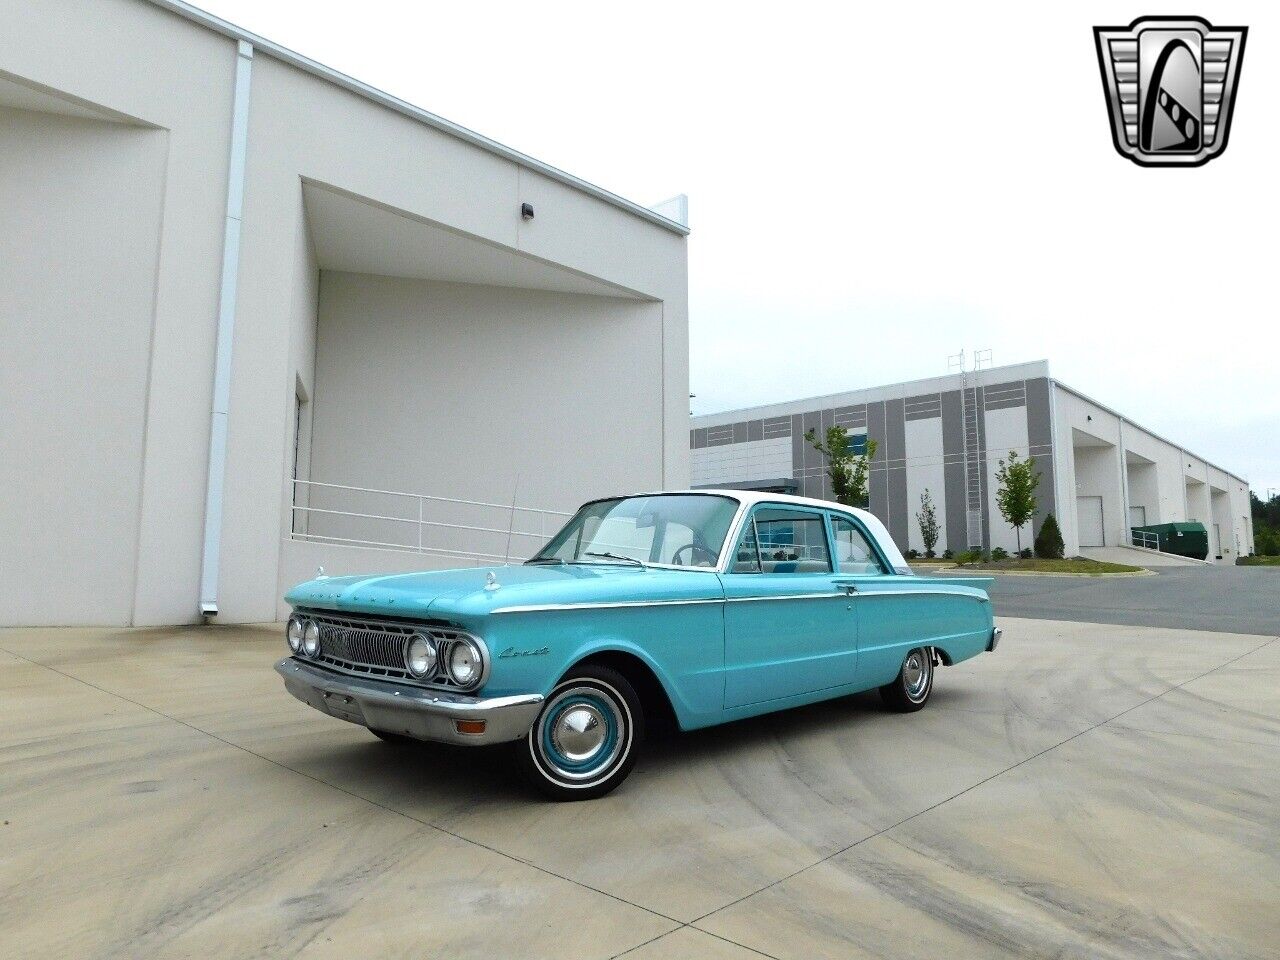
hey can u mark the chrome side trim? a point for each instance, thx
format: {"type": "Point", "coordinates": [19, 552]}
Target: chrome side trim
{"type": "Point", "coordinates": [612, 604]}
{"type": "Point", "coordinates": [608, 604]}
{"type": "Point", "coordinates": [915, 593]}
{"type": "Point", "coordinates": [603, 605]}
{"type": "Point", "coordinates": [788, 596]}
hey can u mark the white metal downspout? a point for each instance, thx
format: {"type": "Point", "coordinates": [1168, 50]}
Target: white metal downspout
{"type": "Point", "coordinates": [1066, 496]}
{"type": "Point", "coordinates": [1059, 474]}
{"type": "Point", "coordinates": [226, 329]}
{"type": "Point", "coordinates": [1124, 489]}
{"type": "Point", "coordinates": [1182, 472]}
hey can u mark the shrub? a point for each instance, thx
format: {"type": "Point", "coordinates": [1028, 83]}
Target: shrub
{"type": "Point", "coordinates": [913, 554]}
{"type": "Point", "coordinates": [966, 557]}
{"type": "Point", "coordinates": [999, 553]}
{"type": "Point", "coordinates": [948, 555]}
{"type": "Point", "coordinates": [1026, 553]}
{"type": "Point", "coordinates": [1266, 542]}
{"type": "Point", "coordinates": [1049, 545]}
{"type": "Point", "coordinates": [930, 555]}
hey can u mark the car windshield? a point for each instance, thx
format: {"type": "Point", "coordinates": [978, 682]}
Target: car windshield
{"type": "Point", "coordinates": [678, 530]}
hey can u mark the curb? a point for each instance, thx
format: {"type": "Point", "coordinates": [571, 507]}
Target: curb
{"type": "Point", "coordinates": [1039, 573]}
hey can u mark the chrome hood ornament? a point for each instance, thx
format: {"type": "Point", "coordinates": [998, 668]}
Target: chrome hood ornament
{"type": "Point", "coordinates": [491, 582]}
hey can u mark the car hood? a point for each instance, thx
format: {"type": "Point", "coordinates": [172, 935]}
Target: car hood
{"type": "Point", "coordinates": [471, 592]}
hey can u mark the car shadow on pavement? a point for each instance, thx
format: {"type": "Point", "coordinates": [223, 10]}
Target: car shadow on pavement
{"type": "Point", "coordinates": [848, 713]}
{"type": "Point", "coordinates": [444, 775]}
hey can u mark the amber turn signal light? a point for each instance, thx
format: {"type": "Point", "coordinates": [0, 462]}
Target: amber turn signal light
{"type": "Point", "coordinates": [469, 726]}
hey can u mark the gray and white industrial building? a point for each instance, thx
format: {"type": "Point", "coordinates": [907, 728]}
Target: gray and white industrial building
{"type": "Point", "coordinates": [1100, 473]}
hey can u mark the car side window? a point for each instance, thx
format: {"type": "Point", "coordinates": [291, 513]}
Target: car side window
{"type": "Point", "coordinates": [746, 557]}
{"type": "Point", "coordinates": [788, 541]}
{"type": "Point", "coordinates": [853, 553]}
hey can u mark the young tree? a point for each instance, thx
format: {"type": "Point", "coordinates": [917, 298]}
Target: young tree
{"type": "Point", "coordinates": [846, 468]}
{"type": "Point", "coordinates": [1016, 492]}
{"type": "Point", "coordinates": [928, 520]}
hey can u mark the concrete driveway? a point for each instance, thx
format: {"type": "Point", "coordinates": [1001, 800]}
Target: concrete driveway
{"type": "Point", "coordinates": [1087, 791]}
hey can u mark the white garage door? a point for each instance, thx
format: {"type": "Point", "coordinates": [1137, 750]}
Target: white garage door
{"type": "Point", "coordinates": [1089, 521]}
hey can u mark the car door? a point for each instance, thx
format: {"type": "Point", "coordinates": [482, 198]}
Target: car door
{"type": "Point", "coordinates": [789, 629]}
{"type": "Point", "coordinates": [888, 622]}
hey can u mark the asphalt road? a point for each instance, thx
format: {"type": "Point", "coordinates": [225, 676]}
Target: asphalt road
{"type": "Point", "coordinates": [1230, 599]}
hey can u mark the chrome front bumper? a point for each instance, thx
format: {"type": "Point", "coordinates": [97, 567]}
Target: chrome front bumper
{"type": "Point", "coordinates": [996, 634]}
{"type": "Point", "coordinates": [412, 711]}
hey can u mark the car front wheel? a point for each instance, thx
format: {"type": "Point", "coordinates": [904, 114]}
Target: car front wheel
{"type": "Point", "coordinates": [585, 739]}
{"type": "Point", "coordinates": [911, 688]}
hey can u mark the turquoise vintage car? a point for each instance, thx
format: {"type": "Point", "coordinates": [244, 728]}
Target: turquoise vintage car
{"type": "Point", "coordinates": [700, 607]}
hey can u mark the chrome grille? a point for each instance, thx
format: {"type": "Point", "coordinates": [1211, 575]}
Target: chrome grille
{"type": "Point", "coordinates": [362, 646]}
{"type": "Point", "coordinates": [375, 647]}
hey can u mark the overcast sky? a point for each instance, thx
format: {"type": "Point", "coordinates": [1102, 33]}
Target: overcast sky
{"type": "Point", "coordinates": [875, 186]}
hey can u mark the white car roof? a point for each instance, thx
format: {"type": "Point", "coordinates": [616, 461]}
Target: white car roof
{"type": "Point", "coordinates": [751, 497]}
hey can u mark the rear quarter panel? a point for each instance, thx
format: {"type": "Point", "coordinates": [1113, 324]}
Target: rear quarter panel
{"type": "Point", "coordinates": [959, 620]}
{"type": "Point", "coordinates": [955, 618]}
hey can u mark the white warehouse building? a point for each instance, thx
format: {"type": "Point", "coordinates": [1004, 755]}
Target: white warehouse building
{"type": "Point", "coordinates": [1101, 474]}
{"type": "Point", "coordinates": [259, 317]}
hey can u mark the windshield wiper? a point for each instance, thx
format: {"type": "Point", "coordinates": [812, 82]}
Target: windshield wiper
{"type": "Point", "coordinates": [543, 560]}
{"type": "Point", "coordinates": [616, 556]}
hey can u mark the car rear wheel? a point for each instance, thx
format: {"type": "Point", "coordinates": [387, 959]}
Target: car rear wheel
{"type": "Point", "coordinates": [585, 739]}
{"type": "Point", "coordinates": [911, 688]}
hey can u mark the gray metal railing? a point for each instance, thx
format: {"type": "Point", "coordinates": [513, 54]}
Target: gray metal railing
{"type": "Point", "coordinates": [419, 523]}
{"type": "Point", "coordinates": [1144, 538]}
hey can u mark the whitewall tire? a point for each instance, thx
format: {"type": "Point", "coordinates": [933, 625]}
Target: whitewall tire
{"type": "Point", "coordinates": [910, 690]}
{"type": "Point", "coordinates": [584, 741]}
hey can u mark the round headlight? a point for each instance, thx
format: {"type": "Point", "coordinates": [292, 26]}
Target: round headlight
{"type": "Point", "coordinates": [420, 656]}
{"type": "Point", "coordinates": [294, 633]}
{"type": "Point", "coordinates": [311, 639]}
{"type": "Point", "coordinates": [464, 663]}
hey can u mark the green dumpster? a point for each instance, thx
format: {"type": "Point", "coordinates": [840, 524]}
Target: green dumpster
{"type": "Point", "coordinates": [1184, 539]}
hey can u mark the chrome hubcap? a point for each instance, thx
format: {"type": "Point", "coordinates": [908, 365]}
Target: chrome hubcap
{"type": "Point", "coordinates": [915, 673]}
{"type": "Point", "coordinates": [579, 733]}
{"type": "Point", "coordinates": [582, 734]}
